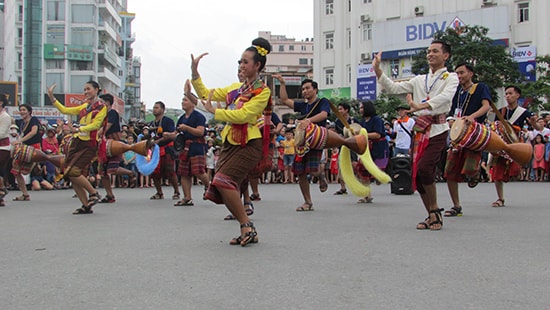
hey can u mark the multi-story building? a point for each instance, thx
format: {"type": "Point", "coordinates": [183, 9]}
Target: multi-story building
{"type": "Point", "coordinates": [131, 73]}
{"type": "Point", "coordinates": [293, 60]}
{"type": "Point", "coordinates": [348, 33]}
{"type": "Point", "coordinates": [68, 42]}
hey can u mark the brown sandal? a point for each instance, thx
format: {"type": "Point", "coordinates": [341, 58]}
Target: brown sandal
{"type": "Point", "coordinates": [157, 196]}
{"type": "Point", "coordinates": [498, 203]}
{"type": "Point", "coordinates": [22, 198]}
{"type": "Point", "coordinates": [307, 206]}
{"type": "Point", "coordinates": [454, 211]}
{"type": "Point", "coordinates": [83, 210]}
{"type": "Point", "coordinates": [249, 237]}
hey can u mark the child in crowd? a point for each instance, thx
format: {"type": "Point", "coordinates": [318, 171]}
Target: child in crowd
{"type": "Point", "coordinates": [129, 159]}
{"type": "Point", "coordinates": [334, 166]}
{"type": "Point", "coordinates": [288, 156]}
{"type": "Point", "coordinates": [38, 181]}
{"type": "Point", "coordinates": [539, 165]}
{"type": "Point", "coordinates": [210, 149]}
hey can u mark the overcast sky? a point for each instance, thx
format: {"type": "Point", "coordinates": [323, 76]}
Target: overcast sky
{"type": "Point", "coordinates": [168, 32]}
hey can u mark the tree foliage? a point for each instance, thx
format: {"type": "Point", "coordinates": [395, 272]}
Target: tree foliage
{"type": "Point", "coordinates": [493, 65]}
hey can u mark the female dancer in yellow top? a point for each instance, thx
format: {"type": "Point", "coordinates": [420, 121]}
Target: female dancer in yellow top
{"type": "Point", "coordinates": [242, 140]}
{"type": "Point", "coordinates": [83, 147]}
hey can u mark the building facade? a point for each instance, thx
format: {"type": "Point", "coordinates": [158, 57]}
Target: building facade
{"type": "Point", "coordinates": [293, 60]}
{"type": "Point", "coordinates": [349, 32]}
{"type": "Point", "coordinates": [68, 42]}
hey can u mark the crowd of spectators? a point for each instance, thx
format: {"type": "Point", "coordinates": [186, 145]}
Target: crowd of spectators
{"type": "Point", "coordinates": [54, 139]}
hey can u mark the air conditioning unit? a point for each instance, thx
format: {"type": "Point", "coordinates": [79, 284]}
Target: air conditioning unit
{"type": "Point", "coordinates": [488, 1]}
{"type": "Point", "coordinates": [419, 10]}
{"type": "Point", "coordinates": [365, 18]}
{"type": "Point", "coordinates": [365, 56]}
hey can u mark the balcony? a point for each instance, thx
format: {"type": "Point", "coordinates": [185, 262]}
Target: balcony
{"type": "Point", "coordinates": [106, 74]}
{"type": "Point", "coordinates": [107, 7]}
{"type": "Point", "coordinates": [104, 27]}
{"type": "Point", "coordinates": [110, 56]}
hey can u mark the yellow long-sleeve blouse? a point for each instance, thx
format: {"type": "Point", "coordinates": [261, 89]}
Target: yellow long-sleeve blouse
{"type": "Point", "coordinates": [88, 123]}
{"type": "Point", "coordinates": [248, 113]}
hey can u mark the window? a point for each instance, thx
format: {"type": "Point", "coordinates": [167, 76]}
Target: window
{"type": "Point", "coordinates": [329, 7]}
{"type": "Point", "coordinates": [348, 71]}
{"type": "Point", "coordinates": [20, 61]}
{"type": "Point", "coordinates": [329, 40]}
{"type": "Point", "coordinates": [291, 47]}
{"type": "Point", "coordinates": [56, 10]}
{"type": "Point", "coordinates": [394, 68]}
{"type": "Point", "coordinates": [83, 13]}
{"type": "Point", "coordinates": [302, 61]}
{"type": "Point", "coordinates": [349, 5]}
{"type": "Point", "coordinates": [281, 48]}
{"type": "Point", "coordinates": [348, 31]}
{"type": "Point", "coordinates": [59, 79]}
{"type": "Point", "coordinates": [523, 12]}
{"type": "Point", "coordinates": [303, 48]}
{"type": "Point", "coordinates": [367, 32]}
{"type": "Point", "coordinates": [55, 34]}
{"type": "Point", "coordinates": [19, 36]}
{"type": "Point", "coordinates": [311, 62]}
{"type": "Point", "coordinates": [329, 76]}
{"type": "Point", "coordinates": [367, 1]}
{"type": "Point", "coordinates": [82, 65]}
{"type": "Point", "coordinates": [55, 64]}
{"type": "Point", "coordinates": [83, 36]}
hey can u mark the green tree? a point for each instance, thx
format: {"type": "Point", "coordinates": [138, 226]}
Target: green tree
{"type": "Point", "coordinates": [492, 63]}
{"type": "Point", "coordinates": [386, 106]}
{"type": "Point", "coordinates": [538, 92]}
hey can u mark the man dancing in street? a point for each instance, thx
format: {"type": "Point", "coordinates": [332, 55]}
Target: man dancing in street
{"type": "Point", "coordinates": [313, 110]}
{"type": "Point", "coordinates": [432, 94]}
{"type": "Point", "coordinates": [111, 130]}
{"type": "Point", "coordinates": [163, 131]}
{"type": "Point", "coordinates": [471, 103]}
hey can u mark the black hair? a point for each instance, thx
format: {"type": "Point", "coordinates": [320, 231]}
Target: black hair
{"type": "Point", "coordinates": [260, 43]}
{"type": "Point", "coordinates": [344, 105]}
{"type": "Point", "coordinates": [27, 106]}
{"type": "Point", "coordinates": [162, 105]}
{"type": "Point", "coordinates": [313, 83]}
{"type": "Point", "coordinates": [516, 89]}
{"type": "Point", "coordinates": [368, 108]}
{"type": "Point", "coordinates": [444, 46]}
{"type": "Point", "coordinates": [4, 100]}
{"type": "Point", "coordinates": [107, 98]}
{"type": "Point", "coordinates": [466, 65]}
{"type": "Point", "coordinates": [94, 85]}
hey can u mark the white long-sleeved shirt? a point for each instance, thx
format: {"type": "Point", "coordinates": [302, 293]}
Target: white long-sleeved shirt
{"type": "Point", "coordinates": [437, 87]}
{"type": "Point", "coordinates": [5, 123]}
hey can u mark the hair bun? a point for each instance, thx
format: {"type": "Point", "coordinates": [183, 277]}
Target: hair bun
{"type": "Point", "coordinates": [263, 43]}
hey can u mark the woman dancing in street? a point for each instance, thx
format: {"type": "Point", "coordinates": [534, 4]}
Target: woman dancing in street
{"type": "Point", "coordinates": [83, 147]}
{"type": "Point", "coordinates": [242, 140]}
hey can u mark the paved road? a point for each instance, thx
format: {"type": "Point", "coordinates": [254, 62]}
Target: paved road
{"type": "Point", "coordinates": [144, 254]}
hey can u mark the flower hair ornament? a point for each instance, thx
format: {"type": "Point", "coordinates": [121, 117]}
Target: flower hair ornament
{"type": "Point", "coordinates": [261, 51]}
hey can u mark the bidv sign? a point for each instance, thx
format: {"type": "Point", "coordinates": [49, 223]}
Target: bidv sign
{"type": "Point", "coordinates": [427, 30]}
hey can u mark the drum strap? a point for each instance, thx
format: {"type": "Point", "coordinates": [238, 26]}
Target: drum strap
{"type": "Point", "coordinates": [408, 132]}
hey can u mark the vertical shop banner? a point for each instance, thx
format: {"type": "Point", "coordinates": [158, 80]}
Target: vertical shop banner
{"type": "Point", "coordinates": [366, 82]}
{"type": "Point", "coordinates": [526, 59]}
